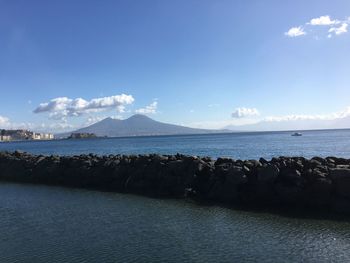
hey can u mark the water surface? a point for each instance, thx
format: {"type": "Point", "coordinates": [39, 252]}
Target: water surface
{"type": "Point", "coordinates": [237, 145]}
{"type": "Point", "coordinates": [49, 224]}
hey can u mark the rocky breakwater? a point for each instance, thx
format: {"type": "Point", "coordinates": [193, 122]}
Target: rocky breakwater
{"type": "Point", "coordinates": [321, 184]}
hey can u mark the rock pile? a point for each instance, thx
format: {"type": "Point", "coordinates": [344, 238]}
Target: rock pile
{"type": "Point", "coordinates": [319, 183]}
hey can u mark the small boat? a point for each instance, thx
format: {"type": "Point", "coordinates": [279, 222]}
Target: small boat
{"type": "Point", "coordinates": [297, 134]}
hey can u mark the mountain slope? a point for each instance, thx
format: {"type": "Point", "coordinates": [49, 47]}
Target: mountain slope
{"type": "Point", "coordinates": [139, 125]}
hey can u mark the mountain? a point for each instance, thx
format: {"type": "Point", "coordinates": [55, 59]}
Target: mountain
{"type": "Point", "coordinates": [288, 125]}
{"type": "Point", "coordinates": [139, 125]}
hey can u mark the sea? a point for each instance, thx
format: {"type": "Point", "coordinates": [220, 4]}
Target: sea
{"type": "Point", "coordinates": [54, 224]}
{"type": "Point", "coordinates": [247, 145]}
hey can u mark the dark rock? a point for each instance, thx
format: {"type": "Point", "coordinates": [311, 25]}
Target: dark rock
{"type": "Point", "coordinates": [263, 161]}
{"type": "Point", "coordinates": [341, 179]}
{"type": "Point", "coordinates": [226, 188]}
{"type": "Point", "coordinates": [287, 182]}
{"type": "Point", "coordinates": [291, 177]}
{"type": "Point", "coordinates": [268, 173]}
{"type": "Point", "coordinates": [221, 160]}
{"type": "Point", "coordinates": [342, 166]}
{"type": "Point", "coordinates": [341, 205]}
{"type": "Point", "coordinates": [319, 193]}
{"type": "Point", "coordinates": [318, 160]}
{"type": "Point", "coordinates": [289, 194]}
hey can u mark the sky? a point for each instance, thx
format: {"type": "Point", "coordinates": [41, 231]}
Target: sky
{"type": "Point", "coordinates": [200, 63]}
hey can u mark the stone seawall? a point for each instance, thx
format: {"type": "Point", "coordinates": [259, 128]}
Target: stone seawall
{"type": "Point", "coordinates": [321, 184]}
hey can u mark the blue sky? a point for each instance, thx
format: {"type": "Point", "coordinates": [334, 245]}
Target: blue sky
{"type": "Point", "coordinates": [201, 63]}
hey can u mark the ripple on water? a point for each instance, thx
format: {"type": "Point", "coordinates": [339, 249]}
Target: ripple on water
{"type": "Point", "coordinates": [48, 224]}
{"type": "Point", "coordinates": [235, 145]}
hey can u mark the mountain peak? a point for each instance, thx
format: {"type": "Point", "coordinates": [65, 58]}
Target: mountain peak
{"type": "Point", "coordinates": [109, 119]}
{"type": "Point", "coordinates": [139, 117]}
{"type": "Point", "coordinates": [138, 125]}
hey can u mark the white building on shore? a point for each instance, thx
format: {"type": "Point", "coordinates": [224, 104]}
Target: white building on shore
{"type": "Point", "coordinates": [5, 138]}
{"type": "Point", "coordinates": [42, 136]}
{"type": "Point", "coordinates": [22, 135]}
{"type": "Point", "coordinates": [47, 136]}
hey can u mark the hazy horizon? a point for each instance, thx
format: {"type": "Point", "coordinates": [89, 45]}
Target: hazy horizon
{"type": "Point", "coordinates": [258, 127]}
{"type": "Point", "coordinates": [202, 64]}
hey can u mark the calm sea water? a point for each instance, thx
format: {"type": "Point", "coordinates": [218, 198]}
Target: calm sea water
{"type": "Point", "coordinates": [49, 224]}
{"type": "Point", "coordinates": [237, 145]}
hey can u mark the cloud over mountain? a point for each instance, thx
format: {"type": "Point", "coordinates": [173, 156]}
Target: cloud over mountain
{"type": "Point", "coordinates": [332, 116]}
{"type": "Point", "coordinates": [323, 21]}
{"type": "Point", "coordinates": [150, 109]}
{"type": "Point", "coordinates": [340, 119]}
{"type": "Point", "coordinates": [62, 107]}
{"type": "Point", "coordinates": [245, 112]}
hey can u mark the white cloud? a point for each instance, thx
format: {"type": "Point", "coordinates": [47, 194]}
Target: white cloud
{"type": "Point", "coordinates": [219, 124]}
{"type": "Point", "coordinates": [339, 30]}
{"type": "Point", "coordinates": [332, 116]}
{"type": "Point", "coordinates": [336, 120]}
{"type": "Point", "coordinates": [245, 112]}
{"type": "Point", "coordinates": [55, 127]}
{"type": "Point", "coordinates": [323, 21]}
{"type": "Point", "coordinates": [295, 32]}
{"type": "Point", "coordinates": [150, 109]}
{"type": "Point", "coordinates": [62, 107]}
{"type": "Point", "coordinates": [93, 119]}
{"type": "Point", "coordinates": [4, 122]}
{"type": "Point", "coordinates": [293, 117]}
{"type": "Point", "coordinates": [336, 27]}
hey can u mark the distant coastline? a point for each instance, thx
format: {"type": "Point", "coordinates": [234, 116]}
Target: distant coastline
{"type": "Point", "coordinates": [23, 135]}
{"type": "Point", "coordinates": [289, 132]}
{"type": "Point", "coordinates": [215, 134]}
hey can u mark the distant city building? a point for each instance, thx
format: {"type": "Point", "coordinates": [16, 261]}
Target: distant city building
{"type": "Point", "coordinates": [20, 135]}
{"type": "Point", "coordinates": [5, 138]}
{"type": "Point", "coordinates": [47, 136]}
{"type": "Point", "coordinates": [36, 136]}
{"type": "Point", "coordinates": [42, 136]}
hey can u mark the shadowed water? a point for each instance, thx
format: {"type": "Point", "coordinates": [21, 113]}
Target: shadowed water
{"type": "Point", "coordinates": [49, 224]}
{"type": "Point", "coordinates": [238, 145]}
